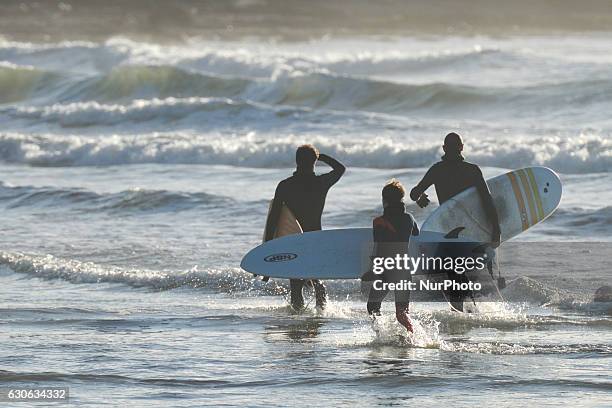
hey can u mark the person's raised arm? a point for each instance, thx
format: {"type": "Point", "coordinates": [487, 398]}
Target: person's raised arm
{"type": "Point", "coordinates": [338, 169]}
{"type": "Point", "coordinates": [489, 208]}
{"type": "Point", "coordinates": [277, 204]}
{"type": "Point", "coordinates": [418, 192]}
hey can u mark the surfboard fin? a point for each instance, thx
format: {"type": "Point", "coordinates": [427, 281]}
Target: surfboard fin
{"type": "Point", "coordinates": [454, 234]}
{"type": "Point", "coordinates": [263, 278]}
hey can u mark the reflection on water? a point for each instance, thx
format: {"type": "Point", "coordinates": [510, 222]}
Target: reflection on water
{"type": "Point", "coordinates": [296, 330]}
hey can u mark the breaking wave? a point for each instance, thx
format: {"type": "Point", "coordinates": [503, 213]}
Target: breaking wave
{"type": "Point", "coordinates": [244, 62]}
{"type": "Point", "coordinates": [310, 87]}
{"type": "Point", "coordinates": [580, 154]}
{"type": "Point", "coordinates": [118, 81]}
{"type": "Point", "coordinates": [49, 267]}
{"type": "Point", "coordinates": [84, 114]}
{"type": "Point", "coordinates": [18, 83]}
{"type": "Point", "coordinates": [316, 90]}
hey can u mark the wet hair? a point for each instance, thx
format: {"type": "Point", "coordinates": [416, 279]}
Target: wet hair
{"type": "Point", "coordinates": [393, 192]}
{"type": "Point", "coordinates": [453, 143]}
{"type": "Point", "coordinates": [306, 156]}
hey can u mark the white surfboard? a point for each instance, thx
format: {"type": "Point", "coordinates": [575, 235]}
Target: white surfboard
{"type": "Point", "coordinates": [523, 198]}
{"type": "Point", "coordinates": [329, 254]}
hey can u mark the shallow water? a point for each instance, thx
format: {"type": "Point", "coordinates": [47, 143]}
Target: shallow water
{"type": "Point", "coordinates": [136, 175]}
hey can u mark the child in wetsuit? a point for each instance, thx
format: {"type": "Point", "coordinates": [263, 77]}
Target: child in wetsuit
{"type": "Point", "coordinates": [392, 232]}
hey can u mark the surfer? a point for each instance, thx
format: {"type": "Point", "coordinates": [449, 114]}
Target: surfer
{"type": "Point", "coordinates": [392, 232]}
{"type": "Point", "coordinates": [451, 176]}
{"type": "Point", "coordinates": [304, 193]}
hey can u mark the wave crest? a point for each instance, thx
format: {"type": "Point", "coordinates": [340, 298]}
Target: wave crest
{"type": "Point", "coordinates": [580, 154]}
{"type": "Point", "coordinates": [316, 89]}
{"type": "Point", "coordinates": [49, 267]}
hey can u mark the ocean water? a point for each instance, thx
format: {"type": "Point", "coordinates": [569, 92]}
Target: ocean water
{"type": "Point", "coordinates": [135, 174]}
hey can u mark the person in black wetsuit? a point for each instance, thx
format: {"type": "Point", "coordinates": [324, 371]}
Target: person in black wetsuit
{"type": "Point", "coordinates": [451, 176]}
{"type": "Point", "coordinates": [392, 232]}
{"type": "Point", "coordinates": [304, 193]}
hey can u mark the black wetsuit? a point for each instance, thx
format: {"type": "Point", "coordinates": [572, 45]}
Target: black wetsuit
{"type": "Point", "coordinates": [305, 193]}
{"type": "Point", "coordinates": [392, 232]}
{"type": "Point", "coordinates": [451, 176]}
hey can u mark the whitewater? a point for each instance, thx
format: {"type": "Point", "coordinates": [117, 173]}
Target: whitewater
{"type": "Point", "coordinates": [134, 176]}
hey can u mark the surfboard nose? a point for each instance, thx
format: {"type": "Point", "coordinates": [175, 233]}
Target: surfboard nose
{"type": "Point", "coordinates": [549, 188]}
